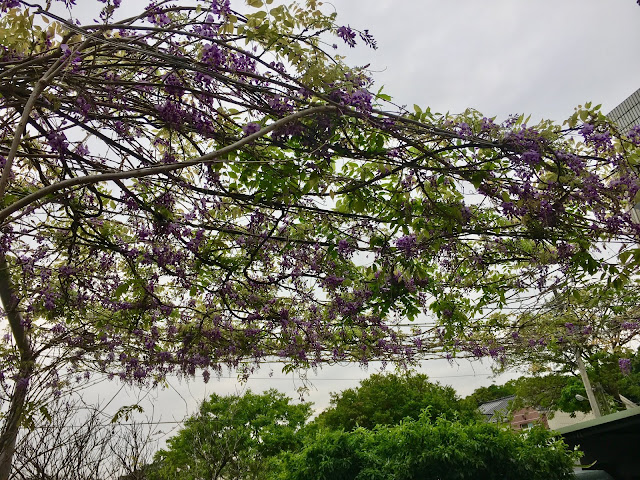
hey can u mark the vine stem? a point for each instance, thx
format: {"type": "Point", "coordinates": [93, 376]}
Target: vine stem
{"type": "Point", "coordinates": [148, 171]}
{"type": "Point", "coordinates": [39, 87]}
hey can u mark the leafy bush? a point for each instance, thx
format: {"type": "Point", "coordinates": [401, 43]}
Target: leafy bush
{"type": "Point", "coordinates": [424, 450]}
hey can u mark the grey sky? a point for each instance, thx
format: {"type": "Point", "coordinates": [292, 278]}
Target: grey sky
{"type": "Point", "coordinates": [540, 57]}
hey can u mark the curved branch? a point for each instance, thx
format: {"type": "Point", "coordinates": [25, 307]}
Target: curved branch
{"type": "Point", "coordinates": [41, 84]}
{"type": "Point", "coordinates": [148, 171]}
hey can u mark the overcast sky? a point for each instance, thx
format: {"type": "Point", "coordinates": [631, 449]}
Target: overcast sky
{"type": "Point", "coordinates": [539, 57]}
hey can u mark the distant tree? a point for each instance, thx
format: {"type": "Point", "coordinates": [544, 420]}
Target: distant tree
{"type": "Point", "coordinates": [421, 449]}
{"type": "Point", "coordinates": [592, 324]}
{"type": "Point", "coordinates": [233, 437]}
{"type": "Point", "coordinates": [387, 399]}
{"type": "Point", "coordinates": [492, 392]}
{"type": "Point", "coordinates": [557, 391]}
{"type": "Point", "coordinates": [611, 383]}
{"type": "Point", "coordinates": [550, 392]}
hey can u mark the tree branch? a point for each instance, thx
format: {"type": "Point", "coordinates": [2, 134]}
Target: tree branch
{"type": "Point", "coordinates": [148, 171]}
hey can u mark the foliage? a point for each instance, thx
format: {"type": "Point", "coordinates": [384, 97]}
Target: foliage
{"type": "Point", "coordinates": [557, 391]}
{"type": "Point", "coordinates": [597, 322]}
{"type": "Point", "coordinates": [193, 186]}
{"type": "Point", "coordinates": [597, 319]}
{"type": "Point", "coordinates": [233, 437]}
{"type": "Point", "coordinates": [551, 393]}
{"type": "Point", "coordinates": [629, 384]}
{"type": "Point", "coordinates": [387, 399]}
{"type": "Point", "coordinates": [421, 449]}
{"type": "Point", "coordinates": [493, 392]}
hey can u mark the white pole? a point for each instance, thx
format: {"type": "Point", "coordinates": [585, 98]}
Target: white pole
{"type": "Point", "coordinates": [595, 408]}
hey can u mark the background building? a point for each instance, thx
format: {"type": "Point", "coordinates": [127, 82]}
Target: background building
{"type": "Point", "coordinates": [627, 114]}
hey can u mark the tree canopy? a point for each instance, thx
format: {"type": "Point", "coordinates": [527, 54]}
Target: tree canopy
{"type": "Point", "coordinates": [260, 437]}
{"type": "Point", "coordinates": [193, 186]}
{"type": "Point", "coordinates": [595, 323]}
{"type": "Point", "coordinates": [233, 437]}
{"type": "Point", "coordinates": [493, 392]}
{"type": "Point", "coordinates": [387, 399]}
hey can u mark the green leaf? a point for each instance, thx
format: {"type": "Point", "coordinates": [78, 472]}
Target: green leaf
{"type": "Point", "coordinates": [122, 289]}
{"type": "Point", "coordinates": [126, 412]}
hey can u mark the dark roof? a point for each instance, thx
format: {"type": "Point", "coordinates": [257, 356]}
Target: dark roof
{"type": "Point", "coordinates": [496, 409]}
{"type": "Point", "coordinates": [601, 424]}
{"type": "Point", "coordinates": [610, 441]}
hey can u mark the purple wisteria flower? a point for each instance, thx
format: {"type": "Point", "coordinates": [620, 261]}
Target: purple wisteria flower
{"type": "Point", "coordinates": [345, 248]}
{"type": "Point", "coordinates": [634, 133]}
{"type": "Point", "coordinates": [7, 4]}
{"type": "Point", "coordinates": [57, 141]}
{"type": "Point", "coordinates": [625, 363]}
{"type": "Point", "coordinates": [251, 128]}
{"type": "Point", "coordinates": [368, 39]}
{"type": "Point", "coordinates": [348, 35]}
{"type": "Point", "coordinates": [407, 244]}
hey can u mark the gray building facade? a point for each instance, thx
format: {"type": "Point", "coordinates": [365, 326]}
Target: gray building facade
{"type": "Point", "coordinates": [627, 114]}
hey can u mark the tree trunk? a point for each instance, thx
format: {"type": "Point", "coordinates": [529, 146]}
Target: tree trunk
{"type": "Point", "coordinates": [12, 423]}
{"type": "Point", "coordinates": [10, 301]}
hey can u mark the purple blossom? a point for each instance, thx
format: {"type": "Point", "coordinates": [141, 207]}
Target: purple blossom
{"type": "Point", "coordinates": [368, 39]}
{"type": "Point", "coordinates": [221, 7]}
{"type": "Point", "coordinates": [464, 129]}
{"type": "Point", "coordinates": [565, 250]}
{"type": "Point", "coordinates": [574, 162]}
{"type": "Point", "coordinates": [156, 16]}
{"type": "Point", "coordinates": [601, 141]}
{"type": "Point", "coordinates": [348, 35]}
{"type": "Point", "coordinates": [625, 363]}
{"type": "Point", "coordinates": [57, 141]}
{"type": "Point", "coordinates": [7, 4]}
{"type": "Point", "coordinates": [173, 84]}
{"type": "Point", "coordinates": [531, 157]}
{"type": "Point", "coordinates": [466, 214]}
{"type": "Point", "coordinates": [634, 133]}
{"type": "Point", "coordinates": [171, 113]}
{"type": "Point", "coordinates": [345, 248]}
{"type": "Point", "coordinates": [487, 124]}
{"type": "Point", "coordinates": [251, 128]}
{"type": "Point", "coordinates": [587, 129]}
{"type": "Point", "coordinates": [407, 244]}
{"type": "Point", "coordinates": [82, 150]}
{"type": "Point", "coordinates": [333, 282]}
{"type": "Point", "coordinates": [280, 105]}
{"type": "Point", "coordinates": [361, 99]}
{"type": "Point", "coordinates": [213, 55]}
